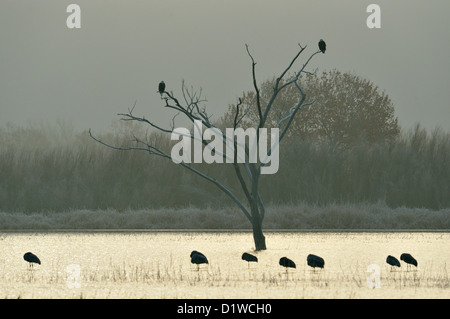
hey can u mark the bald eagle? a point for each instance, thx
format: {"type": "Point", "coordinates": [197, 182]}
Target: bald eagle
{"type": "Point", "coordinates": [322, 46]}
{"type": "Point", "coordinates": [161, 87]}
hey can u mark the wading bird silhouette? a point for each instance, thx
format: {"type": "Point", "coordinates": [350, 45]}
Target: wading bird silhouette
{"type": "Point", "coordinates": [315, 261]}
{"type": "Point", "coordinates": [31, 259]}
{"type": "Point", "coordinates": [249, 258]}
{"type": "Point", "coordinates": [198, 258]}
{"type": "Point", "coordinates": [287, 263]}
{"type": "Point", "coordinates": [409, 260]}
{"type": "Point", "coordinates": [391, 260]}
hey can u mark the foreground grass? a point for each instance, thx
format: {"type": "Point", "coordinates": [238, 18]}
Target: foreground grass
{"type": "Point", "coordinates": [303, 216]}
{"type": "Point", "coordinates": [160, 281]}
{"type": "Point", "coordinates": [157, 265]}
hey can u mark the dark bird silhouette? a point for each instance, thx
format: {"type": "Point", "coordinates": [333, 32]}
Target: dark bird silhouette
{"type": "Point", "coordinates": [161, 87]}
{"type": "Point", "coordinates": [408, 259]}
{"type": "Point", "coordinates": [198, 258]}
{"type": "Point", "coordinates": [194, 252]}
{"type": "Point", "coordinates": [322, 46]}
{"type": "Point", "coordinates": [391, 260]}
{"type": "Point", "coordinates": [31, 258]}
{"type": "Point", "coordinates": [315, 261]}
{"type": "Point", "coordinates": [286, 262]}
{"type": "Point", "coordinates": [249, 258]}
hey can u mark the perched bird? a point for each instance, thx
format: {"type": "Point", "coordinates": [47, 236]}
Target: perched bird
{"type": "Point", "coordinates": [31, 258]}
{"type": "Point", "coordinates": [322, 46]}
{"type": "Point", "coordinates": [161, 87]}
{"type": "Point", "coordinates": [198, 258]}
{"type": "Point", "coordinates": [315, 261]}
{"type": "Point", "coordinates": [408, 259]}
{"type": "Point", "coordinates": [249, 258]}
{"type": "Point", "coordinates": [391, 260]}
{"type": "Point", "coordinates": [286, 262]}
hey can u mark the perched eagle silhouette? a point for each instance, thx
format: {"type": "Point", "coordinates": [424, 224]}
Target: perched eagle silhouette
{"type": "Point", "coordinates": [161, 87]}
{"type": "Point", "coordinates": [322, 46]}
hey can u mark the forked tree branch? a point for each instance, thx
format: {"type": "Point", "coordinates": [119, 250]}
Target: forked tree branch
{"type": "Point", "coordinates": [255, 85]}
{"type": "Point", "coordinates": [276, 90]}
{"type": "Point", "coordinates": [153, 150]}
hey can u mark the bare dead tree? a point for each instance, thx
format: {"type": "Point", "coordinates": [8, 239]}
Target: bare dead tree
{"type": "Point", "coordinates": [248, 173]}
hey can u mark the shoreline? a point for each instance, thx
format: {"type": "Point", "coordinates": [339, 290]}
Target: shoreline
{"type": "Point", "coordinates": [137, 230]}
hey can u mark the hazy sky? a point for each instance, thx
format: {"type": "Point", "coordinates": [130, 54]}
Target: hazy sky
{"type": "Point", "coordinates": [86, 76]}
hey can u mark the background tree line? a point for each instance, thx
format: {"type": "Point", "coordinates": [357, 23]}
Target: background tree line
{"type": "Point", "coordinates": [346, 148]}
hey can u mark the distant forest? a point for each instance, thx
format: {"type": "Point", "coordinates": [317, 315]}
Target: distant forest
{"type": "Point", "coordinates": [54, 168]}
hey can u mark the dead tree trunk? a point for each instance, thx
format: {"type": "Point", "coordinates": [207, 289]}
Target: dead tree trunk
{"type": "Point", "coordinates": [247, 172]}
{"type": "Point", "coordinates": [258, 236]}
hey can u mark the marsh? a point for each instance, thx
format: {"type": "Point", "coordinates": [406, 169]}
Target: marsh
{"type": "Point", "coordinates": [156, 264]}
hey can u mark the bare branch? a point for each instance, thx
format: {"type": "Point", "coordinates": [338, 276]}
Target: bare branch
{"type": "Point", "coordinates": [258, 95]}
{"type": "Point", "coordinates": [290, 64]}
{"type": "Point", "coordinates": [156, 151]}
{"type": "Point", "coordinates": [237, 113]}
{"type": "Point", "coordinates": [277, 89]}
{"type": "Point", "coordinates": [131, 110]}
{"type": "Point", "coordinates": [261, 208]}
{"type": "Point", "coordinates": [131, 117]}
{"type": "Point", "coordinates": [173, 121]}
{"type": "Point", "coordinates": [293, 110]}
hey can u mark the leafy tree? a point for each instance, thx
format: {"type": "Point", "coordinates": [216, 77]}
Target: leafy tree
{"type": "Point", "coordinates": [346, 108]}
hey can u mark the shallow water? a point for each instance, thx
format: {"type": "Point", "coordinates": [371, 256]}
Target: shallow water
{"type": "Point", "coordinates": [157, 265]}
